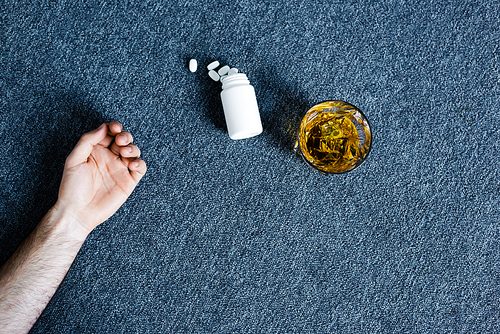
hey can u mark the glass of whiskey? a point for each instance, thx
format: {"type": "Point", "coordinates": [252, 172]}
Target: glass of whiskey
{"type": "Point", "coordinates": [334, 137]}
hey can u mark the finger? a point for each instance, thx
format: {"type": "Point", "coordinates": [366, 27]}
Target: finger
{"type": "Point", "coordinates": [130, 151]}
{"type": "Point", "coordinates": [107, 140]}
{"type": "Point", "coordinates": [123, 139]}
{"type": "Point", "coordinates": [84, 147]}
{"type": "Point", "coordinates": [137, 169]}
{"type": "Point", "coordinates": [114, 128]}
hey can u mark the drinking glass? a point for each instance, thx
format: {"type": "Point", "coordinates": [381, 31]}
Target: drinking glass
{"type": "Point", "coordinates": [334, 137]}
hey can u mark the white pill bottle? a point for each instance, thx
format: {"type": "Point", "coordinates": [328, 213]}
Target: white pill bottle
{"type": "Point", "coordinates": [240, 107]}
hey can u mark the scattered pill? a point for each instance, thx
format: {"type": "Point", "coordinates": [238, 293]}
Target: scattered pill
{"type": "Point", "coordinates": [193, 65]}
{"type": "Point", "coordinates": [212, 74]}
{"type": "Point", "coordinates": [213, 65]}
{"type": "Point", "coordinates": [223, 70]}
{"type": "Point", "coordinates": [233, 71]}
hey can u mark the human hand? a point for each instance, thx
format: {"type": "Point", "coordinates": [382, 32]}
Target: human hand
{"type": "Point", "coordinates": [99, 175]}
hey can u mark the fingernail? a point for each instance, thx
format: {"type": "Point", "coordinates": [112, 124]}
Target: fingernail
{"type": "Point", "coordinates": [135, 164]}
{"type": "Point", "coordinates": [129, 149]}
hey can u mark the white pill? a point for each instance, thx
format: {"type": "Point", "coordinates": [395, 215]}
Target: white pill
{"type": "Point", "coordinates": [233, 71]}
{"type": "Point", "coordinates": [213, 65]}
{"type": "Point", "coordinates": [212, 74]}
{"type": "Point", "coordinates": [223, 70]}
{"type": "Point", "coordinates": [193, 65]}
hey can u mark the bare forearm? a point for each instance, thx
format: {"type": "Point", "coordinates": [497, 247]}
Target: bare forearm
{"type": "Point", "coordinates": [29, 279]}
{"type": "Point", "coordinates": [99, 175]}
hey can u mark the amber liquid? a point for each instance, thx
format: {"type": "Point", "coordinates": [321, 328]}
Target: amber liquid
{"type": "Point", "coordinates": [334, 137]}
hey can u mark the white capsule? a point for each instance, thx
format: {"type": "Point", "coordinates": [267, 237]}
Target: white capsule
{"type": "Point", "coordinates": [193, 65]}
{"type": "Point", "coordinates": [212, 74]}
{"type": "Point", "coordinates": [233, 71]}
{"type": "Point", "coordinates": [213, 65]}
{"type": "Point", "coordinates": [223, 70]}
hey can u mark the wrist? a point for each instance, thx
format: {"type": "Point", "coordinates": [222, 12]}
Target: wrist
{"type": "Point", "coordinates": [68, 224]}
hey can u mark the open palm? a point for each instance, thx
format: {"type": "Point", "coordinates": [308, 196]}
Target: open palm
{"type": "Point", "coordinates": [100, 174]}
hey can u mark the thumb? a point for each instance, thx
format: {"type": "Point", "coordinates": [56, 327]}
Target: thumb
{"type": "Point", "coordinates": [84, 147]}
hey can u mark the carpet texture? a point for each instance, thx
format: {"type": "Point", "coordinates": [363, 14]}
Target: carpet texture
{"type": "Point", "coordinates": [227, 236]}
